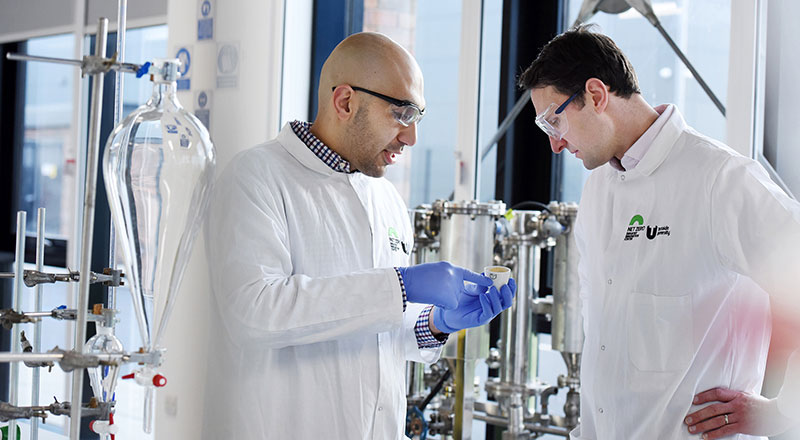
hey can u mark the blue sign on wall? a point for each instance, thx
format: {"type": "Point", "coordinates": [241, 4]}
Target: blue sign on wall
{"type": "Point", "coordinates": [184, 82]}
{"type": "Point", "coordinates": [205, 22]}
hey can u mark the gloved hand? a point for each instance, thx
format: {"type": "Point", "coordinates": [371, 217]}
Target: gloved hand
{"type": "Point", "coordinates": [440, 283]}
{"type": "Point", "coordinates": [475, 308]}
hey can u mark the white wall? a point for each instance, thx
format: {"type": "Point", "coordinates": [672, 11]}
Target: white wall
{"type": "Point", "coordinates": [240, 117]}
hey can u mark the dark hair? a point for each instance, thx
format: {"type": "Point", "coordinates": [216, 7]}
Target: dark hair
{"type": "Point", "coordinates": [569, 59]}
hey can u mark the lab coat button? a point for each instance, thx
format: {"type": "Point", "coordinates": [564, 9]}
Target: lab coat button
{"type": "Point", "coordinates": [603, 347]}
{"type": "Point", "coordinates": [622, 177]}
{"type": "Point", "coordinates": [609, 281]}
{"type": "Point", "coordinates": [380, 408]}
{"type": "Point", "coordinates": [600, 410]}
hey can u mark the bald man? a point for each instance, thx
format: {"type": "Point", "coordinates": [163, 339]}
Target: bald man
{"type": "Point", "coordinates": [316, 307]}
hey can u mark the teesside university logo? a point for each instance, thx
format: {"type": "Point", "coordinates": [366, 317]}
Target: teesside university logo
{"type": "Point", "coordinates": [637, 226]}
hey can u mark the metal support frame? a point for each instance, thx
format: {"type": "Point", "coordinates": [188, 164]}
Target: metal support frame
{"type": "Point", "coordinates": [88, 223]}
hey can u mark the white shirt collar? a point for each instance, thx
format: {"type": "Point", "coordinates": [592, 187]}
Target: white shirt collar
{"type": "Point", "coordinates": [639, 148]}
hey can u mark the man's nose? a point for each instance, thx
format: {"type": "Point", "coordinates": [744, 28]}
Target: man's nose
{"type": "Point", "coordinates": [557, 145]}
{"type": "Point", "coordinates": [408, 135]}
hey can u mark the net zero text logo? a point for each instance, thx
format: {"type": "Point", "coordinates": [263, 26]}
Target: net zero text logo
{"type": "Point", "coordinates": [396, 244]}
{"type": "Point", "coordinates": [637, 226]}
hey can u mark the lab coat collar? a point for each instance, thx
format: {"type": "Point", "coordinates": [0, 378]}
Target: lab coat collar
{"type": "Point", "coordinates": [662, 143]}
{"type": "Point", "coordinates": [300, 151]}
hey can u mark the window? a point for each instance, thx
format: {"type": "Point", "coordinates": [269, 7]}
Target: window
{"type": "Point", "coordinates": [426, 172]}
{"type": "Point", "coordinates": [701, 28]}
{"type": "Point", "coordinates": [48, 165]}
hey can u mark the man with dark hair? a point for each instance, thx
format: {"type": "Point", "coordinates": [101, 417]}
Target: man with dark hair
{"type": "Point", "coordinates": [683, 244]}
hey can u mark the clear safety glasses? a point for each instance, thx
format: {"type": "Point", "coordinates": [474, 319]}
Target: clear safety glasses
{"type": "Point", "coordinates": [552, 121]}
{"type": "Point", "coordinates": [404, 112]}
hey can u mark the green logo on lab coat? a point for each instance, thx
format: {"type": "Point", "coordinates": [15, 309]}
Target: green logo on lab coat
{"type": "Point", "coordinates": [636, 219]}
{"type": "Point", "coordinates": [393, 233]}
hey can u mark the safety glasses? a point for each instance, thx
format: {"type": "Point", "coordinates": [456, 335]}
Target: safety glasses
{"type": "Point", "coordinates": [404, 112]}
{"type": "Point", "coordinates": [552, 121]}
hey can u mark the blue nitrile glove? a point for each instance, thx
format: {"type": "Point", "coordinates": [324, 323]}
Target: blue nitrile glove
{"type": "Point", "coordinates": [440, 283]}
{"type": "Point", "coordinates": [475, 308]}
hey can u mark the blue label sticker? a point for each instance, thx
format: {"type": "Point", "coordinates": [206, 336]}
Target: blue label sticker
{"type": "Point", "coordinates": [202, 99]}
{"type": "Point", "coordinates": [172, 129]}
{"type": "Point", "coordinates": [205, 8]}
{"type": "Point", "coordinates": [184, 141]}
{"type": "Point", "coordinates": [184, 84]}
{"type": "Point", "coordinates": [205, 29]}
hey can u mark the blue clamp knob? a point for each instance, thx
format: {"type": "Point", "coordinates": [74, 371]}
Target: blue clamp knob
{"type": "Point", "coordinates": [143, 70]}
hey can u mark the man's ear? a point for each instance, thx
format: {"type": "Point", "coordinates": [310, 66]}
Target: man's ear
{"type": "Point", "coordinates": [597, 94]}
{"type": "Point", "coordinates": [343, 104]}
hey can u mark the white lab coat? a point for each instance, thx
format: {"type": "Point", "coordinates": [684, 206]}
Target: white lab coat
{"type": "Point", "coordinates": [310, 337]}
{"type": "Point", "coordinates": [674, 309]}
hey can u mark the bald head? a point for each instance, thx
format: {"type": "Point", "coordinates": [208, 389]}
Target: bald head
{"type": "Point", "coordinates": [363, 84]}
{"type": "Point", "coordinates": [372, 61]}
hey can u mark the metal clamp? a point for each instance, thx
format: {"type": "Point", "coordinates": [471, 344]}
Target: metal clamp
{"type": "Point", "coordinates": [94, 409]}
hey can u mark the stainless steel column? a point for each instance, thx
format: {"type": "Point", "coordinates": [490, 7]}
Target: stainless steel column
{"type": "Point", "coordinates": [567, 326]}
{"type": "Point", "coordinates": [516, 333]}
{"type": "Point", "coordinates": [466, 238]}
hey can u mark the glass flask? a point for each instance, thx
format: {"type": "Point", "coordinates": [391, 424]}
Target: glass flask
{"type": "Point", "coordinates": [103, 378]}
{"type": "Point", "coordinates": [158, 169]}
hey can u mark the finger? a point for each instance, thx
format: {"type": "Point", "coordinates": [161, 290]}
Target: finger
{"type": "Point", "coordinates": [506, 297]}
{"type": "Point", "coordinates": [512, 284]}
{"type": "Point", "coordinates": [708, 412]}
{"type": "Point", "coordinates": [494, 299]}
{"type": "Point", "coordinates": [715, 395]}
{"type": "Point", "coordinates": [708, 425]}
{"type": "Point", "coordinates": [725, 431]}
{"type": "Point", "coordinates": [474, 289]}
{"type": "Point", "coordinates": [486, 309]}
{"type": "Point", "coordinates": [479, 279]}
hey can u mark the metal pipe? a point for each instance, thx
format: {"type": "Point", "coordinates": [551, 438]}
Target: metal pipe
{"type": "Point", "coordinates": [691, 68]}
{"type": "Point", "coordinates": [88, 226]}
{"type": "Point", "coordinates": [19, 258]}
{"type": "Point", "coordinates": [532, 427]}
{"type": "Point", "coordinates": [37, 327]}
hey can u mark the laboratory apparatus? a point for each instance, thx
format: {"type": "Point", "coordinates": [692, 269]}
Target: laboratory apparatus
{"type": "Point", "coordinates": [473, 234]}
{"type": "Point", "coordinates": [158, 168]}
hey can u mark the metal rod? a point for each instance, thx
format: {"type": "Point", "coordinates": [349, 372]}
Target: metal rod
{"type": "Point", "coordinates": [20, 57]}
{"type": "Point", "coordinates": [88, 226]}
{"type": "Point", "coordinates": [37, 327]}
{"type": "Point", "coordinates": [151, 358]}
{"type": "Point", "coordinates": [506, 124]}
{"type": "Point", "coordinates": [122, 14]}
{"type": "Point", "coordinates": [19, 258]}
{"type": "Point", "coordinates": [691, 68]}
{"type": "Point", "coordinates": [105, 64]}
{"type": "Point", "coordinates": [38, 315]}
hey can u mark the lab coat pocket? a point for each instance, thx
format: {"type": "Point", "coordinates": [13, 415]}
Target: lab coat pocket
{"type": "Point", "coordinates": [660, 332]}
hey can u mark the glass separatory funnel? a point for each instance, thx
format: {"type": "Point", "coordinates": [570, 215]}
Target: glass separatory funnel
{"type": "Point", "coordinates": [158, 168]}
